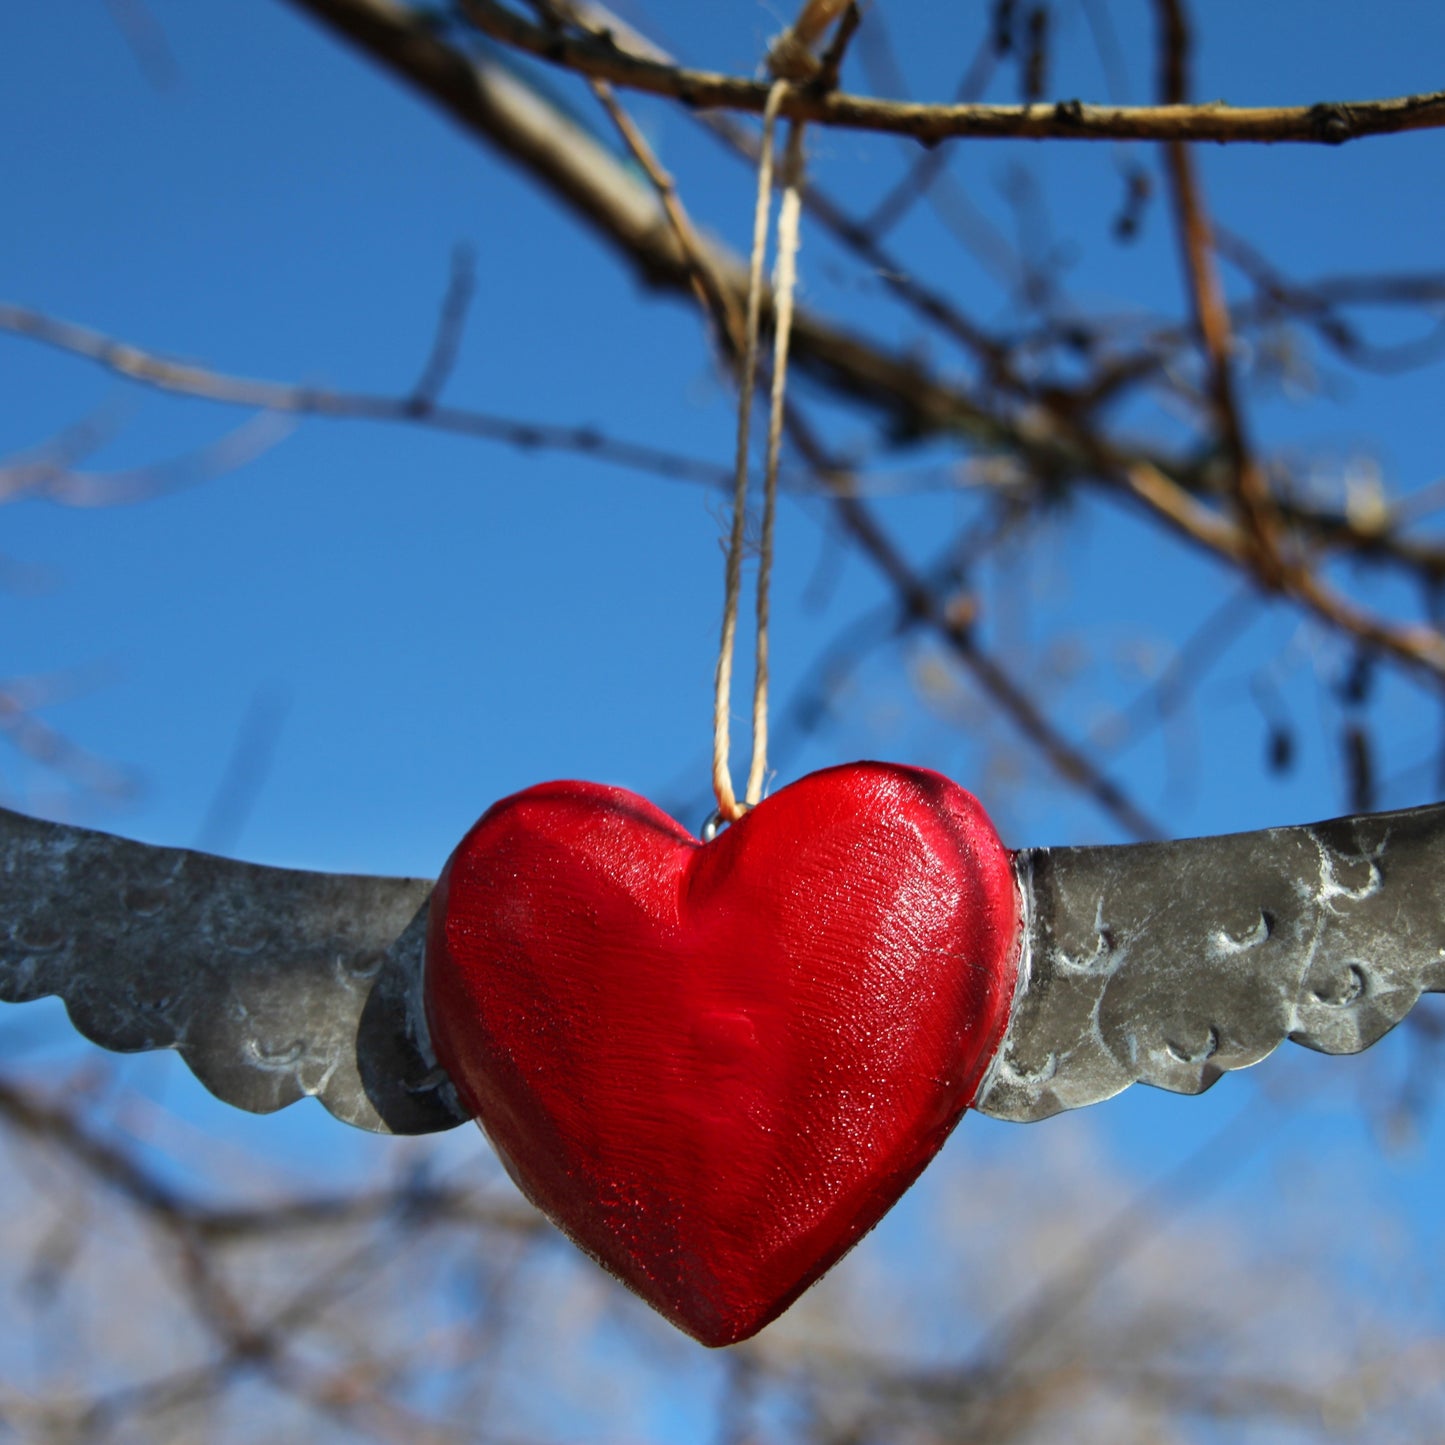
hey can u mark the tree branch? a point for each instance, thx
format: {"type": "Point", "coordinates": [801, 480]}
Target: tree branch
{"type": "Point", "coordinates": [1326, 123]}
{"type": "Point", "coordinates": [187, 379]}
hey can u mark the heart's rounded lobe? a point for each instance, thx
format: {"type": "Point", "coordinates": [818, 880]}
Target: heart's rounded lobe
{"type": "Point", "coordinates": [716, 1066]}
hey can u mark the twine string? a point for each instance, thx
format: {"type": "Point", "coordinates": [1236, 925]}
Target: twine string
{"type": "Point", "coordinates": [784, 285]}
{"type": "Point", "coordinates": [729, 808]}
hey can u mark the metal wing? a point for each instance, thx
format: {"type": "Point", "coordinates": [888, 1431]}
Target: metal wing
{"type": "Point", "coordinates": [1160, 963]}
{"type": "Point", "coordinates": [1171, 963]}
{"type": "Point", "coordinates": [272, 984]}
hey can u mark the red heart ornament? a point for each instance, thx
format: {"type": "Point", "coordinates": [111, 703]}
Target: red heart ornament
{"type": "Point", "coordinates": [717, 1065]}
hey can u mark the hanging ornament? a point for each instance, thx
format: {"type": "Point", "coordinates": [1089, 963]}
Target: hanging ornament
{"type": "Point", "coordinates": [716, 1066]}
{"type": "Point", "coordinates": [845, 967]}
{"type": "Point", "coordinates": [716, 1063]}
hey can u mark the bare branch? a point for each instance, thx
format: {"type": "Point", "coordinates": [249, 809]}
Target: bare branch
{"type": "Point", "coordinates": [719, 302]}
{"type": "Point", "coordinates": [919, 601]}
{"type": "Point", "coordinates": [187, 379]}
{"type": "Point", "coordinates": [1326, 123]}
{"type": "Point", "coordinates": [1211, 314]}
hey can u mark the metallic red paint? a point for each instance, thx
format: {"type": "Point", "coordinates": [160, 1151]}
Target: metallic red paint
{"type": "Point", "coordinates": [716, 1066]}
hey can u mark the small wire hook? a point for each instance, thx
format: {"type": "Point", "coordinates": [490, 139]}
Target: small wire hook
{"type": "Point", "coordinates": [716, 822]}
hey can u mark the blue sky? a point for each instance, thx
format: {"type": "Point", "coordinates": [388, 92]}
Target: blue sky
{"type": "Point", "coordinates": [450, 621]}
{"type": "Point", "coordinates": [431, 624]}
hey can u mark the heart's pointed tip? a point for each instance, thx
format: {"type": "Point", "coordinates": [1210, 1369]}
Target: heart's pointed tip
{"type": "Point", "coordinates": [723, 1339]}
{"type": "Point", "coordinates": [717, 1329]}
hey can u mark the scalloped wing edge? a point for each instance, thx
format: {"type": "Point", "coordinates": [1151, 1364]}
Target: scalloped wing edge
{"type": "Point", "coordinates": [273, 984]}
{"type": "Point", "coordinates": [1172, 964]}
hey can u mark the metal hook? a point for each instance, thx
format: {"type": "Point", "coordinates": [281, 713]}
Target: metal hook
{"type": "Point", "coordinates": [716, 822]}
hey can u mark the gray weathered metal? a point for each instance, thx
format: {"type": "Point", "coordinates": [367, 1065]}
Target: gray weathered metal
{"type": "Point", "coordinates": [272, 984]}
{"type": "Point", "coordinates": [1171, 963]}
{"type": "Point", "coordinates": [1157, 963]}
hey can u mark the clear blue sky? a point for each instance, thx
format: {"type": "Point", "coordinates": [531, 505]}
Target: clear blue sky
{"type": "Point", "coordinates": [432, 624]}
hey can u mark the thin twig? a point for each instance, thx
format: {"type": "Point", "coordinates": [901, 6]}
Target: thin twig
{"type": "Point", "coordinates": [451, 323]}
{"type": "Point", "coordinates": [928, 168]}
{"type": "Point", "coordinates": [261, 1344]}
{"type": "Point", "coordinates": [187, 379]}
{"type": "Point", "coordinates": [1211, 314]}
{"type": "Point", "coordinates": [1419, 646]}
{"type": "Point", "coordinates": [717, 300]}
{"type": "Point", "coordinates": [918, 600]}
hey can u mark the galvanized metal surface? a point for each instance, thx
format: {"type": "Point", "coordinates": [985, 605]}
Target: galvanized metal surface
{"type": "Point", "coordinates": [1172, 963]}
{"type": "Point", "coordinates": [273, 984]}
{"type": "Point", "coordinates": [1159, 963]}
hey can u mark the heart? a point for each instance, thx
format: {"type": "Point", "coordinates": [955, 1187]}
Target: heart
{"type": "Point", "coordinates": [717, 1065]}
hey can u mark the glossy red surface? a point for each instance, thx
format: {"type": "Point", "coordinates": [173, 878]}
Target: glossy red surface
{"type": "Point", "coordinates": [716, 1066]}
